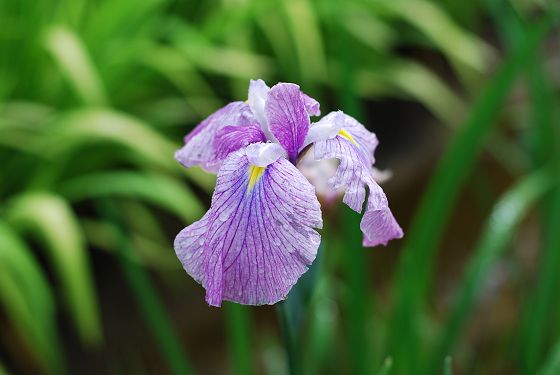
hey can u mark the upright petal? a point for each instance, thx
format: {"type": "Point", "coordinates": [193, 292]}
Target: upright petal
{"type": "Point", "coordinates": [200, 144]}
{"type": "Point", "coordinates": [287, 117]}
{"type": "Point", "coordinates": [354, 146]}
{"type": "Point", "coordinates": [257, 238]}
{"type": "Point", "coordinates": [258, 93]}
{"type": "Point", "coordinates": [312, 106]}
{"type": "Point", "coordinates": [232, 138]}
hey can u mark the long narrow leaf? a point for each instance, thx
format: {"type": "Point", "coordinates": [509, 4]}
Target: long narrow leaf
{"type": "Point", "coordinates": [146, 296]}
{"type": "Point", "coordinates": [238, 325]}
{"type": "Point", "coordinates": [76, 64]}
{"type": "Point", "coordinates": [500, 228]}
{"type": "Point", "coordinates": [430, 19]}
{"type": "Point", "coordinates": [149, 147]}
{"type": "Point", "coordinates": [302, 23]}
{"type": "Point", "coordinates": [413, 276]}
{"type": "Point", "coordinates": [34, 304]}
{"type": "Point", "coordinates": [157, 189]}
{"type": "Point", "coordinates": [22, 316]}
{"type": "Point", "coordinates": [51, 219]}
{"type": "Point", "coordinates": [552, 365]}
{"type": "Point", "coordinates": [539, 311]}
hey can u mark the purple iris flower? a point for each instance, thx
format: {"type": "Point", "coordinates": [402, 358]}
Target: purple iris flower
{"type": "Point", "coordinates": [259, 235]}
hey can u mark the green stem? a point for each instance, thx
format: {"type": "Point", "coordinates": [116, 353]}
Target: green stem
{"type": "Point", "coordinates": [238, 326]}
{"type": "Point", "coordinates": [290, 341]}
{"type": "Point", "coordinates": [357, 297]}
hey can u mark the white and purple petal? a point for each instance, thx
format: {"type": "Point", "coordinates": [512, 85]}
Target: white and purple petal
{"type": "Point", "coordinates": [258, 237]}
{"type": "Point", "coordinates": [200, 144]}
{"type": "Point", "coordinates": [326, 128]}
{"type": "Point", "coordinates": [232, 138]}
{"type": "Point", "coordinates": [312, 106]}
{"type": "Point", "coordinates": [263, 154]}
{"type": "Point", "coordinates": [258, 94]}
{"type": "Point", "coordinates": [287, 117]}
{"type": "Point", "coordinates": [354, 146]}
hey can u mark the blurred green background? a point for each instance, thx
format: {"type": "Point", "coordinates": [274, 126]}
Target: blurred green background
{"type": "Point", "coordinates": [95, 96]}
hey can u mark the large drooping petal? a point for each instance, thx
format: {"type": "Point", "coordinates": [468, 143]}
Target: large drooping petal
{"type": "Point", "coordinates": [257, 238]}
{"type": "Point", "coordinates": [354, 146]}
{"type": "Point", "coordinates": [200, 144]}
{"type": "Point", "coordinates": [287, 117]}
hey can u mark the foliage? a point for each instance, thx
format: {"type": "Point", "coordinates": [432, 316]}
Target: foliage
{"type": "Point", "coordinates": [95, 97]}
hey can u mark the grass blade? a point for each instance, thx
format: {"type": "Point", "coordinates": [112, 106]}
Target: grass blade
{"type": "Point", "coordinates": [287, 326]}
{"type": "Point", "coordinates": [22, 317]}
{"type": "Point", "coordinates": [15, 255]}
{"type": "Point", "coordinates": [422, 239]}
{"type": "Point", "coordinates": [81, 127]}
{"type": "Point", "coordinates": [415, 81]}
{"type": "Point", "coordinates": [157, 189]}
{"type": "Point", "coordinates": [146, 296]}
{"type": "Point", "coordinates": [31, 299]}
{"type": "Point", "coordinates": [386, 366]}
{"type": "Point", "coordinates": [552, 365]}
{"type": "Point", "coordinates": [546, 147]}
{"type": "Point", "coordinates": [358, 297]}
{"type": "Point", "coordinates": [429, 18]}
{"type": "Point", "coordinates": [499, 230]}
{"type": "Point", "coordinates": [71, 55]}
{"type": "Point", "coordinates": [447, 366]}
{"type": "Point", "coordinates": [52, 220]}
{"type": "Point", "coordinates": [147, 146]}
{"type": "Point", "coordinates": [307, 39]}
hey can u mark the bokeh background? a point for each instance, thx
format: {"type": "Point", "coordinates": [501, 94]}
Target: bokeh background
{"type": "Point", "coordinates": [95, 96]}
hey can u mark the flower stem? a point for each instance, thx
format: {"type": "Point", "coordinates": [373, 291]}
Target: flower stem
{"type": "Point", "coordinates": [238, 325]}
{"type": "Point", "coordinates": [290, 340]}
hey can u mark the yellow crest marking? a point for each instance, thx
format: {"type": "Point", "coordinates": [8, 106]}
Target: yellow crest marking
{"type": "Point", "coordinates": [344, 134]}
{"type": "Point", "coordinates": [255, 173]}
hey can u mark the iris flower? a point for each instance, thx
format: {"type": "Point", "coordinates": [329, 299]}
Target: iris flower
{"type": "Point", "coordinates": [259, 235]}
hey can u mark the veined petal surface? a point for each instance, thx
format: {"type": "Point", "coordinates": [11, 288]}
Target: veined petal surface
{"type": "Point", "coordinates": [353, 147]}
{"type": "Point", "coordinates": [287, 117]}
{"type": "Point", "coordinates": [258, 237]}
{"type": "Point", "coordinates": [200, 144]}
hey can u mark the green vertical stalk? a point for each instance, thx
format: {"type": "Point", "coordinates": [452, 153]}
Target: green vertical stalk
{"type": "Point", "coordinates": [499, 229]}
{"type": "Point", "coordinates": [146, 297]}
{"type": "Point", "coordinates": [424, 235]}
{"type": "Point", "coordinates": [293, 311]}
{"type": "Point", "coordinates": [354, 256]}
{"type": "Point", "coordinates": [447, 366]}
{"type": "Point", "coordinates": [546, 149]}
{"type": "Point", "coordinates": [356, 304]}
{"type": "Point", "coordinates": [552, 364]}
{"type": "Point", "coordinates": [386, 366]}
{"type": "Point", "coordinates": [290, 338]}
{"type": "Point", "coordinates": [238, 329]}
